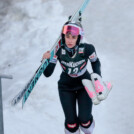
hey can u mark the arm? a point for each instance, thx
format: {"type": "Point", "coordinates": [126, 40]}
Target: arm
{"type": "Point", "coordinates": [102, 89]}
{"type": "Point", "coordinates": [50, 68]}
{"type": "Point", "coordinates": [96, 66]}
{"type": "Point", "coordinates": [95, 62]}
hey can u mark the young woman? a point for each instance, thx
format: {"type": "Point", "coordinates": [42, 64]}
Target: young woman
{"type": "Point", "coordinates": [73, 57]}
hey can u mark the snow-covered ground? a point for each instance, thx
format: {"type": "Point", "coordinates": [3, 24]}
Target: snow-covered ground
{"type": "Point", "coordinates": [30, 27]}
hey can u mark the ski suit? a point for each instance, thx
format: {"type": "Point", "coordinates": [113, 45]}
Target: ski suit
{"type": "Point", "coordinates": [71, 90]}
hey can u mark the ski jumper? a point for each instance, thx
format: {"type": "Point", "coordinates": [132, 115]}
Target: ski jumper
{"type": "Point", "coordinates": [71, 89]}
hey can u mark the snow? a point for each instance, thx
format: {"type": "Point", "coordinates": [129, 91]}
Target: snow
{"type": "Point", "coordinates": [28, 28]}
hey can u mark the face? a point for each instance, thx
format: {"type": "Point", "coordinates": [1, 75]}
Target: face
{"type": "Point", "coordinates": [70, 40]}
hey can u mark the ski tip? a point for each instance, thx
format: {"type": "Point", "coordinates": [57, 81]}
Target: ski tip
{"type": "Point", "coordinates": [13, 102]}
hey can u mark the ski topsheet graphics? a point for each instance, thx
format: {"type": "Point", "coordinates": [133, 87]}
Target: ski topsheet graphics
{"type": "Point", "coordinates": [30, 85]}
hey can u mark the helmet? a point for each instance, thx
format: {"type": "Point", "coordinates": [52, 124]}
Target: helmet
{"type": "Point", "coordinates": [75, 28]}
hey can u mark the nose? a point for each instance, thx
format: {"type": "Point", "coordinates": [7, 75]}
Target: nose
{"type": "Point", "coordinates": [70, 40]}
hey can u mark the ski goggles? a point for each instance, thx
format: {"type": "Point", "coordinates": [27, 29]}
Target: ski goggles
{"type": "Point", "coordinates": [74, 30]}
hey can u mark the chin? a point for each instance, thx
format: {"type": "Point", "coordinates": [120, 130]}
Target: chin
{"type": "Point", "coordinates": [70, 46]}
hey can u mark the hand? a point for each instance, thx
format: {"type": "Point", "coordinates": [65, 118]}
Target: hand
{"type": "Point", "coordinates": [46, 55]}
{"type": "Point", "coordinates": [102, 89]}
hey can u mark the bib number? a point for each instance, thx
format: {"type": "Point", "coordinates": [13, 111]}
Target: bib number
{"type": "Point", "coordinates": [73, 71]}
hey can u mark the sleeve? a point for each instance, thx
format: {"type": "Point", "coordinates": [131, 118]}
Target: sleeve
{"type": "Point", "coordinates": [51, 66]}
{"type": "Point", "coordinates": [49, 70]}
{"type": "Point", "coordinates": [90, 53]}
{"type": "Point", "coordinates": [96, 66]}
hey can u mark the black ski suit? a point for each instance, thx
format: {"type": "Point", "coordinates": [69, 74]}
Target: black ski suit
{"type": "Point", "coordinates": [71, 90]}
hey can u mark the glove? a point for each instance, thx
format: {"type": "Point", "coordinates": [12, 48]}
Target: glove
{"type": "Point", "coordinates": [91, 91]}
{"type": "Point", "coordinates": [102, 89]}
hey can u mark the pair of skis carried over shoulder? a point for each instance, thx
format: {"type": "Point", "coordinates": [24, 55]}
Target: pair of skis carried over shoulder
{"type": "Point", "coordinates": [24, 93]}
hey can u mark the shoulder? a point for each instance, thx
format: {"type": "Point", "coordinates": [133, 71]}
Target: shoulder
{"type": "Point", "coordinates": [89, 49]}
{"type": "Point", "coordinates": [87, 46]}
{"type": "Point", "coordinates": [60, 51]}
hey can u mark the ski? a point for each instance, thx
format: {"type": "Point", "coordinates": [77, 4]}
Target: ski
{"type": "Point", "coordinates": [19, 96]}
{"type": "Point", "coordinates": [44, 64]}
{"type": "Point", "coordinates": [41, 69]}
{"type": "Point", "coordinates": [29, 87]}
